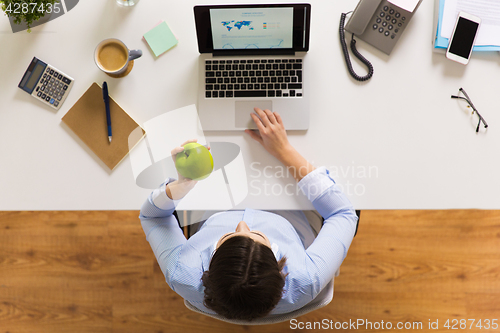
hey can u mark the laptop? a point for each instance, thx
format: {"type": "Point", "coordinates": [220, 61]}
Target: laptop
{"type": "Point", "coordinates": [253, 56]}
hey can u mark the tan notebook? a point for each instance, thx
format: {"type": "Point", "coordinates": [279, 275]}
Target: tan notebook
{"type": "Point", "coordinates": [87, 118]}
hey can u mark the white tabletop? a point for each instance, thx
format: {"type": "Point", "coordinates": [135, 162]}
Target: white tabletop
{"type": "Point", "coordinates": [396, 142]}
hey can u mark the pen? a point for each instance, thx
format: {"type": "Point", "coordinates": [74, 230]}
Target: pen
{"type": "Point", "coordinates": [105, 96]}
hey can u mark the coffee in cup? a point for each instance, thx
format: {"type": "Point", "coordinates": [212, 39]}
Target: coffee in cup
{"type": "Point", "coordinates": [112, 56]}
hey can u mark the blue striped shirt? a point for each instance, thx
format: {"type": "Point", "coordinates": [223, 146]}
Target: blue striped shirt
{"type": "Point", "coordinates": [309, 269]}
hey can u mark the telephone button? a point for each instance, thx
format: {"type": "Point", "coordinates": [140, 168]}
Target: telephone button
{"type": "Point", "coordinates": [382, 14]}
{"type": "Point", "coordinates": [397, 15]}
{"type": "Point", "coordinates": [375, 26]}
{"type": "Point", "coordinates": [396, 31]}
{"type": "Point", "coordinates": [390, 27]}
{"type": "Point", "coordinates": [386, 8]}
{"type": "Point", "coordinates": [384, 24]}
{"type": "Point", "coordinates": [394, 21]}
{"type": "Point", "coordinates": [387, 33]}
{"type": "Point", "coordinates": [393, 36]}
{"type": "Point", "coordinates": [381, 30]}
{"type": "Point", "coordinates": [379, 20]}
{"type": "Point", "coordinates": [391, 11]}
{"type": "Point", "coordinates": [388, 17]}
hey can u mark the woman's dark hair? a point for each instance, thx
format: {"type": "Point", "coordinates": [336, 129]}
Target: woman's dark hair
{"type": "Point", "coordinates": [244, 280]}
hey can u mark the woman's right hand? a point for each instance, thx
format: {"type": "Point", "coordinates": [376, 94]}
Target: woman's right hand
{"type": "Point", "coordinates": [272, 136]}
{"type": "Point", "coordinates": [271, 133]}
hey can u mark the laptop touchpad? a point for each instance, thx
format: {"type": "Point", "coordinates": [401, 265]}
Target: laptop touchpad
{"type": "Point", "coordinates": [243, 110]}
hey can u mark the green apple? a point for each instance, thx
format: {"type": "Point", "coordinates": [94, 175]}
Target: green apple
{"type": "Point", "coordinates": [194, 162]}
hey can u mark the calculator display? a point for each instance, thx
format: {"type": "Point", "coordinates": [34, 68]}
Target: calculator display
{"type": "Point", "coordinates": [35, 75]}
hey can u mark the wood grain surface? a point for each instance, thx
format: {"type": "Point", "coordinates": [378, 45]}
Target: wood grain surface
{"type": "Point", "coordinates": [93, 271]}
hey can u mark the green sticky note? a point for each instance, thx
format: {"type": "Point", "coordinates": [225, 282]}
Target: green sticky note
{"type": "Point", "coordinates": [160, 38]}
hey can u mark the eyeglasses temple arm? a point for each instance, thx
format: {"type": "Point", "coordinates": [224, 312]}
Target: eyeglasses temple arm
{"type": "Point", "coordinates": [466, 99]}
{"type": "Point", "coordinates": [459, 97]}
{"type": "Point", "coordinates": [482, 119]}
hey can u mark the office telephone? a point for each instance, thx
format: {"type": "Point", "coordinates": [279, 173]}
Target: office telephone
{"type": "Point", "coordinates": [379, 23]}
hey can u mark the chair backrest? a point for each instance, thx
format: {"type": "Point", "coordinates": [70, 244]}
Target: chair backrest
{"type": "Point", "coordinates": [323, 299]}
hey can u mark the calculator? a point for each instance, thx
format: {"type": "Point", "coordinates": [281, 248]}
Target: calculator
{"type": "Point", "coordinates": [46, 83]}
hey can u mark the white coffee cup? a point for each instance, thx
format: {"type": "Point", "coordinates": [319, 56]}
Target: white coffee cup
{"type": "Point", "coordinates": [113, 57]}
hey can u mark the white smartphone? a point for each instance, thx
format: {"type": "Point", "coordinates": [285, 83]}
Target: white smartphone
{"type": "Point", "coordinates": [463, 38]}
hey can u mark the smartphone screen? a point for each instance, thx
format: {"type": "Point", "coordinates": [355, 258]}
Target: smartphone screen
{"type": "Point", "coordinates": [463, 39]}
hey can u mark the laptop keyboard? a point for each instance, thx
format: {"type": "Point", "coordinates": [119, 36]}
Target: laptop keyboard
{"type": "Point", "coordinates": [253, 78]}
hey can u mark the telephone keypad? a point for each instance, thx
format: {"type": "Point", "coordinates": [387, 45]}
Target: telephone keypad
{"type": "Point", "coordinates": [395, 19]}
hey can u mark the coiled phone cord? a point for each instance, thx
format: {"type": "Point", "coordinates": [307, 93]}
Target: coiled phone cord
{"type": "Point", "coordinates": [355, 51]}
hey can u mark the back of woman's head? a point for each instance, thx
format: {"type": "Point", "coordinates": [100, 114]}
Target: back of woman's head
{"type": "Point", "coordinates": [244, 280]}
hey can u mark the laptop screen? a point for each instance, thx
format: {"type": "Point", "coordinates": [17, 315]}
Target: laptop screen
{"type": "Point", "coordinates": [253, 29]}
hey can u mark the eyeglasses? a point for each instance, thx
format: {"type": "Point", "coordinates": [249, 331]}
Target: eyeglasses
{"type": "Point", "coordinates": [481, 119]}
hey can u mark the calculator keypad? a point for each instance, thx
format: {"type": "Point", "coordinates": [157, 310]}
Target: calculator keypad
{"type": "Point", "coordinates": [52, 87]}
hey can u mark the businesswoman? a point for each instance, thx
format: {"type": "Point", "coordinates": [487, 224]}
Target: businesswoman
{"type": "Point", "coordinates": [250, 263]}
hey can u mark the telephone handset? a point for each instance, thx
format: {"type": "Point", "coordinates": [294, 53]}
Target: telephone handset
{"type": "Point", "coordinates": [377, 22]}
